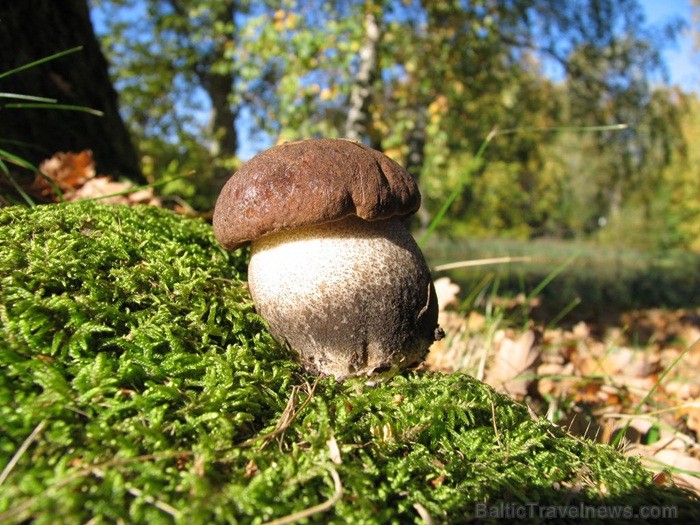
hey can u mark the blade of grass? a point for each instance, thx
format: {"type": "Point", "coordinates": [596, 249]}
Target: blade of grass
{"type": "Point", "coordinates": [22, 163]}
{"type": "Point", "coordinates": [551, 276]}
{"type": "Point", "coordinates": [17, 96]}
{"type": "Point", "coordinates": [20, 143]}
{"type": "Point", "coordinates": [618, 439]}
{"type": "Point", "coordinates": [555, 129]}
{"type": "Point", "coordinates": [675, 470]}
{"type": "Point", "coordinates": [17, 160]}
{"type": "Point", "coordinates": [15, 184]}
{"type": "Point", "coordinates": [476, 293]}
{"type": "Point", "coordinates": [34, 102]}
{"type": "Point", "coordinates": [480, 262]}
{"type": "Point", "coordinates": [563, 313]}
{"type": "Point", "coordinates": [471, 167]}
{"type": "Point", "coordinates": [40, 61]}
{"type": "Point", "coordinates": [65, 107]}
{"type": "Point", "coordinates": [139, 188]}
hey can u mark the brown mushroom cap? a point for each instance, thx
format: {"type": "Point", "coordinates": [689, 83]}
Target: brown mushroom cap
{"type": "Point", "coordinates": [311, 182]}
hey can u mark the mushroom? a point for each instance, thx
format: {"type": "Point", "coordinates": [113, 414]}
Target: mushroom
{"type": "Point", "coordinates": [333, 269]}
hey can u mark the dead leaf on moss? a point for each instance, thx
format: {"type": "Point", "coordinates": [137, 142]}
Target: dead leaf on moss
{"type": "Point", "coordinates": [251, 469]}
{"type": "Point", "coordinates": [67, 170]}
{"type": "Point", "coordinates": [75, 176]}
{"type": "Point", "coordinates": [513, 359]}
{"type": "Point", "coordinates": [105, 189]}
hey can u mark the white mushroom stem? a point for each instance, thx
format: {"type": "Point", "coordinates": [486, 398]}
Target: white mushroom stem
{"type": "Point", "coordinates": [351, 297]}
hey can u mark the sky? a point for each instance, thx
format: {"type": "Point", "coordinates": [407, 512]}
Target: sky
{"type": "Point", "coordinates": [683, 61]}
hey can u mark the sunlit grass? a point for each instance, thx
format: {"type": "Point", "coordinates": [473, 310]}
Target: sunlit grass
{"type": "Point", "coordinates": [595, 282]}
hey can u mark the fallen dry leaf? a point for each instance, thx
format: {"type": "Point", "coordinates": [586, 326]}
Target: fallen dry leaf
{"type": "Point", "coordinates": [692, 411]}
{"type": "Point", "coordinates": [446, 292]}
{"type": "Point", "coordinates": [592, 379]}
{"type": "Point", "coordinates": [67, 170]}
{"type": "Point", "coordinates": [75, 176]}
{"type": "Point", "coordinates": [512, 359]}
{"type": "Point", "coordinates": [102, 187]}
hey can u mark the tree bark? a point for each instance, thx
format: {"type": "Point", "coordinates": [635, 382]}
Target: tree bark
{"type": "Point", "coordinates": [33, 30]}
{"type": "Point", "coordinates": [222, 122]}
{"type": "Point", "coordinates": [358, 120]}
{"type": "Point", "coordinates": [223, 118]}
{"type": "Point", "coordinates": [219, 87]}
{"type": "Point", "coordinates": [415, 159]}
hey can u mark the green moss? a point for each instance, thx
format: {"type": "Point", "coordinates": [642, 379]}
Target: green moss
{"type": "Point", "coordinates": [130, 347]}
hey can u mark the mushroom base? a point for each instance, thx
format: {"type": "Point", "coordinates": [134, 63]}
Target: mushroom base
{"type": "Point", "coordinates": [351, 297]}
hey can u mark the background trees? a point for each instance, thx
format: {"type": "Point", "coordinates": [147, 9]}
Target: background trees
{"type": "Point", "coordinates": [426, 82]}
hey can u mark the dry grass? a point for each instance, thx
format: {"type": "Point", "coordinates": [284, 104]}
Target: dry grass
{"type": "Point", "coordinates": [634, 385]}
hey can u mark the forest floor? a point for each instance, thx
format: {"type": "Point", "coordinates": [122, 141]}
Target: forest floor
{"type": "Point", "coordinates": [632, 383]}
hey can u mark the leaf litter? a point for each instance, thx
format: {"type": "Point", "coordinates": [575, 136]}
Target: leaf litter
{"type": "Point", "coordinates": [633, 383]}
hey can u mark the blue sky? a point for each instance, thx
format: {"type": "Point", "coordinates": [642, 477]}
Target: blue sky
{"type": "Point", "coordinates": [683, 61]}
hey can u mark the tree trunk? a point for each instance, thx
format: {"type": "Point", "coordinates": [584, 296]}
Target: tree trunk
{"type": "Point", "coordinates": [415, 159]}
{"type": "Point", "coordinates": [37, 29]}
{"type": "Point", "coordinates": [223, 119]}
{"type": "Point", "coordinates": [358, 119]}
{"type": "Point", "coordinates": [219, 85]}
{"type": "Point", "coordinates": [222, 122]}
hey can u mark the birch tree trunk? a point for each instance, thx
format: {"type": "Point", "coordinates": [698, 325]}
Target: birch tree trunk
{"type": "Point", "coordinates": [358, 120]}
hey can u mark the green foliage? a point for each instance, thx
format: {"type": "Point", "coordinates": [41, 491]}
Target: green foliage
{"type": "Point", "coordinates": [682, 184]}
{"type": "Point", "coordinates": [171, 60]}
{"type": "Point", "coordinates": [138, 385]}
{"type": "Point", "coordinates": [447, 74]}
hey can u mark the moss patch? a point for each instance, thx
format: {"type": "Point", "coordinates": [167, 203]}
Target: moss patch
{"type": "Point", "coordinates": [139, 385]}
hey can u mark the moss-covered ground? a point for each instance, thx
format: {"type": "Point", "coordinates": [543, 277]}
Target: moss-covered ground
{"type": "Point", "coordinates": [137, 385]}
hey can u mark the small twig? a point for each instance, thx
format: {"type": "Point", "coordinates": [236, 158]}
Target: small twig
{"type": "Point", "coordinates": [289, 414]}
{"type": "Point", "coordinates": [481, 262]}
{"type": "Point", "coordinates": [423, 513]}
{"type": "Point", "coordinates": [286, 418]}
{"type": "Point", "coordinates": [21, 450]}
{"type": "Point", "coordinates": [321, 507]}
